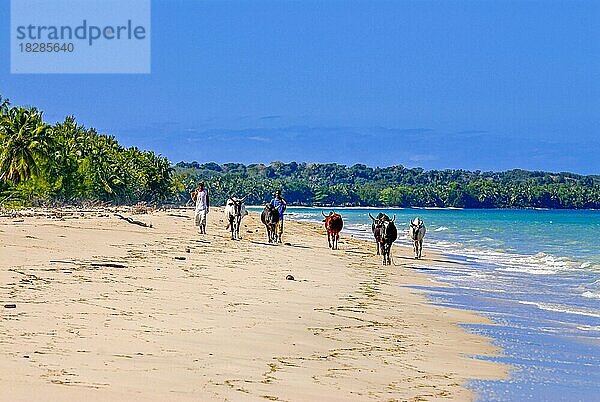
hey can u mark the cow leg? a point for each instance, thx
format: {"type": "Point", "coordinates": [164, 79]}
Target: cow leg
{"type": "Point", "coordinates": [386, 254]}
{"type": "Point", "coordinates": [328, 240]}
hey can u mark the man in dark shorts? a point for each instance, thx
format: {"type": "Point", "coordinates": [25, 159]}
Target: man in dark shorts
{"type": "Point", "coordinates": [281, 205]}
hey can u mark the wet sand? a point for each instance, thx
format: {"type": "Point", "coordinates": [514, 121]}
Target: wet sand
{"type": "Point", "coordinates": [108, 310]}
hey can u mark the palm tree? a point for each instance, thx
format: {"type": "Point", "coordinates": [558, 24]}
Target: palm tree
{"type": "Point", "coordinates": [23, 140]}
{"type": "Point", "coordinates": [4, 106]}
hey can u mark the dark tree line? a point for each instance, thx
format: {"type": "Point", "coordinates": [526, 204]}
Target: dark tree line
{"type": "Point", "coordinates": [360, 185]}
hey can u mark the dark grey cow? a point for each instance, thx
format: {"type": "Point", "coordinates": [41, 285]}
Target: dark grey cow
{"type": "Point", "coordinates": [270, 217]}
{"type": "Point", "coordinates": [385, 233]}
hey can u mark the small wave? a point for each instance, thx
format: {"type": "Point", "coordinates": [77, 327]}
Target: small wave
{"type": "Point", "coordinates": [561, 309]}
{"type": "Point", "coordinates": [591, 295]}
{"type": "Point", "coordinates": [530, 270]}
{"type": "Point", "coordinates": [440, 229]}
{"type": "Point", "coordinates": [588, 327]}
{"type": "Point", "coordinates": [537, 264]}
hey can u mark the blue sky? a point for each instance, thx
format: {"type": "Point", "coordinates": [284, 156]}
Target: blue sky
{"type": "Point", "coordinates": [451, 84]}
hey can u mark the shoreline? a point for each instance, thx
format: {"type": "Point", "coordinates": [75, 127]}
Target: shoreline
{"type": "Point", "coordinates": [221, 323]}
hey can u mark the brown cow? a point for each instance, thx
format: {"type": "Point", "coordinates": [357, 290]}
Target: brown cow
{"type": "Point", "coordinates": [334, 225]}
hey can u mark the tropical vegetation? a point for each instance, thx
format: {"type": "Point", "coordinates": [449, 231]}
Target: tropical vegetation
{"type": "Point", "coordinates": [360, 185]}
{"type": "Point", "coordinates": [68, 163]}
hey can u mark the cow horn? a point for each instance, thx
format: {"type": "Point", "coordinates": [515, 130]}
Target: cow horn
{"type": "Point", "coordinates": [323, 214]}
{"type": "Point", "coordinates": [371, 216]}
{"type": "Point", "coordinates": [245, 197]}
{"type": "Point", "coordinates": [394, 219]}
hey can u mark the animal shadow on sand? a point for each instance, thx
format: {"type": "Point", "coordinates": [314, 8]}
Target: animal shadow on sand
{"type": "Point", "coordinates": [201, 241]}
{"type": "Point", "coordinates": [295, 245]}
{"type": "Point", "coordinates": [264, 243]}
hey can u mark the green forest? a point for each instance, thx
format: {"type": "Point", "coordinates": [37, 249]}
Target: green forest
{"type": "Point", "coordinates": [67, 163]}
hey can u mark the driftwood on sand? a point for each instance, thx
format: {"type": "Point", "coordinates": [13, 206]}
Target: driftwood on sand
{"type": "Point", "coordinates": [133, 221]}
{"type": "Point", "coordinates": [107, 265]}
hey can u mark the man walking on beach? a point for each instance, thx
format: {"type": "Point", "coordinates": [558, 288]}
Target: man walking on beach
{"type": "Point", "coordinates": [281, 205]}
{"type": "Point", "coordinates": [200, 196]}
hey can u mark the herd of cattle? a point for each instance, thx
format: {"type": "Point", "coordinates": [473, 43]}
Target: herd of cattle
{"type": "Point", "coordinates": [384, 228]}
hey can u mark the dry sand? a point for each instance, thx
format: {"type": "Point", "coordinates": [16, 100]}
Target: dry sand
{"type": "Point", "coordinates": [223, 323]}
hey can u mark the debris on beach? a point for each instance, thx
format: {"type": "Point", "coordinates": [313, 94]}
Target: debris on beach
{"type": "Point", "coordinates": [107, 265]}
{"type": "Point", "coordinates": [290, 278]}
{"type": "Point", "coordinates": [133, 221]}
{"type": "Point", "coordinates": [180, 258]}
{"type": "Point", "coordinates": [10, 306]}
{"type": "Point", "coordinates": [140, 209]}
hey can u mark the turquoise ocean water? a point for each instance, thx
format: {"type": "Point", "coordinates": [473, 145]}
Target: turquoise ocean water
{"type": "Point", "coordinates": [535, 273]}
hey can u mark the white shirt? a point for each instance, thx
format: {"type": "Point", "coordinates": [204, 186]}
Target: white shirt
{"type": "Point", "coordinates": [201, 200]}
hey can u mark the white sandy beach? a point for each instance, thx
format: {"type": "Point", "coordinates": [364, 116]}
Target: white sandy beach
{"type": "Point", "coordinates": [107, 310]}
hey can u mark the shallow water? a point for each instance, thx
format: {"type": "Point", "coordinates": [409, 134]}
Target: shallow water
{"type": "Point", "coordinates": [535, 273]}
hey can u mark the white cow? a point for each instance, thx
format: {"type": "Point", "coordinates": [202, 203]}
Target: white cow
{"type": "Point", "coordinates": [416, 232]}
{"type": "Point", "coordinates": [234, 212]}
